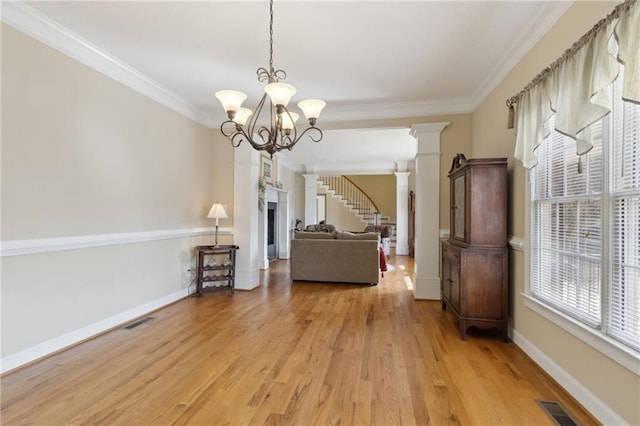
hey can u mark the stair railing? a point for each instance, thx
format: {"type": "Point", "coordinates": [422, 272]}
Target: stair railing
{"type": "Point", "coordinates": [355, 197]}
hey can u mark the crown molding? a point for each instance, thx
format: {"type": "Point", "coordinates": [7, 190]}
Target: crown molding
{"type": "Point", "coordinates": [384, 110]}
{"type": "Point", "coordinates": [33, 23]}
{"type": "Point", "coordinates": [537, 28]}
{"type": "Point", "coordinates": [352, 168]}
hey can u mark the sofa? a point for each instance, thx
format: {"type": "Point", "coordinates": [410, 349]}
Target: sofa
{"type": "Point", "coordinates": [335, 257]}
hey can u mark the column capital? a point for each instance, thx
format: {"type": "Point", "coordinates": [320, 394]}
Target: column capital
{"type": "Point", "coordinates": [402, 179]}
{"type": "Point", "coordinates": [428, 137]}
{"type": "Point", "coordinates": [420, 129]}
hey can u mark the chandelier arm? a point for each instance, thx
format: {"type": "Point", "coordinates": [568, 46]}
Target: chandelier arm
{"type": "Point", "coordinates": [280, 75]}
{"type": "Point", "coordinates": [263, 74]}
{"type": "Point", "coordinates": [225, 123]}
{"type": "Point", "coordinates": [238, 134]}
{"type": "Point", "coordinates": [290, 137]}
{"type": "Point", "coordinates": [253, 121]}
{"type": "Point", "coordinates": [311, 129]}
{"type": "Point", "coordinates": [286, 142]}
{"type": "Point", "coordinates": [262, 132]}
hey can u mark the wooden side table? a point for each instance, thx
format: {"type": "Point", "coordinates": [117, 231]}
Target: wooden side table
{"type": "Point", "coordinates": [216, 265]}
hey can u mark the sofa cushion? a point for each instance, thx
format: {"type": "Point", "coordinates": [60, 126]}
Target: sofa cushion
{"type": "Point", "coordinates": [321, 227]}
{"type": "Point", "coordinates": [344, 235]}
{"type": "Point", "coordinates": [308, 235]}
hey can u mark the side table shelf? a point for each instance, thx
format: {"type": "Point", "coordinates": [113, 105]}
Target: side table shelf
{"type": "Point", "coordinates": [217, 266]}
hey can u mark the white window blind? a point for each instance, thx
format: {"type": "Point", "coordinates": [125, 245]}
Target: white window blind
{"type": "Point", "coordinates": [623, 296]}
{"type": "Point", "coordinates": [586, 225]}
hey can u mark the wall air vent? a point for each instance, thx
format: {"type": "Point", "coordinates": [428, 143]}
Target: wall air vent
{"type": "Point", "coordinates": [557, 413]}
{"type": "Point", "coordinates": [137, 323]}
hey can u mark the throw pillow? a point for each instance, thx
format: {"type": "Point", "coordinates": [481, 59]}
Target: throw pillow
{"type": "Point", "coordinates": [344, 235]}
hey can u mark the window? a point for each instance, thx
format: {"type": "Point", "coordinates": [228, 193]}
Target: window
{"type": "Point", "coordinates": [585, 226]}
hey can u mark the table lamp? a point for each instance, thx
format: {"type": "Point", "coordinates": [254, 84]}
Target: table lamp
{"type": "Point", "coordinates": [217, 212]}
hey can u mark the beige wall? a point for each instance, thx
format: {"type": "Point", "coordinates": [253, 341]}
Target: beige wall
{"type": "Point", "coordinates": [85, 156]}
{"type": "Point", "coordinates": [613, 384]}
{"type": "Point", "coordinates": [220, 165]}
{"type": "Point", "coordinates": [382, 191]}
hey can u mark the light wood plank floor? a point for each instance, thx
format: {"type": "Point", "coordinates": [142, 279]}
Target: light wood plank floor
{"type": "Point", "coordinates": [295, 354]}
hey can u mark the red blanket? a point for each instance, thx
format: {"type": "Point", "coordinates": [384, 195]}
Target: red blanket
{"type": "Point", "coordinates": [383, 261]}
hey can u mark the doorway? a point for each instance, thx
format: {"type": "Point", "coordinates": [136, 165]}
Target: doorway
{"type": "Point", "coordinates": [272, 230]}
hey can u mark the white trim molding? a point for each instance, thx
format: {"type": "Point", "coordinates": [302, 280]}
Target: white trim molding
{"type": "Point", "coordinates": [605, 345]}
{"type": "Point", "coordinates": [38, 351]}
{"type": "Point", "coordinates": [46, 245]}
{"type": "Point", "coordinates": [383, 110]}
{"type": "Point", "coordinates": [584, 396]}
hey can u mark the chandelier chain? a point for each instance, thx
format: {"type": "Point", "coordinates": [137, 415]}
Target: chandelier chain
{"type": "Point", "coordinates": [271, 36]}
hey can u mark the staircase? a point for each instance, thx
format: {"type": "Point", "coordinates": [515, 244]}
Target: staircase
{"type": "Point", "coordinates": [355, 200]}
{"type": "Point", "coordinates": [351, 196]}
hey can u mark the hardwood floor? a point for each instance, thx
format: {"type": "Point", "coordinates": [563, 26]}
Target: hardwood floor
{"type": "Point", "coordinates": [296, 354]}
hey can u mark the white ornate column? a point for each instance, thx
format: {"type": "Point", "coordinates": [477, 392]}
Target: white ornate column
{"type": "Point", "coordinates": [427, 222]}
{"type": "Point", "coordinates": [310, 199]}
{"type": "Point", "coordinates": [245, 215]}
{"type": "Point", "coordinates": [402, 213]}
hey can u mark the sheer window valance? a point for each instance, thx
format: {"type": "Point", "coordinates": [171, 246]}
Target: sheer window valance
{"type": "Point", "coordinates": [577, 88]}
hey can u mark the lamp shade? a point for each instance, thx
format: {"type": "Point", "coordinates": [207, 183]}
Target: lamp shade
{"type": "Point", "coordinates": [217, 211]}
{"type": "Point", "coordinates": [242, 115]}
{"type": "Point", "coordinates": [231, 99]}
{"type": "Point", "coordinates": [312, 107]}
{"type": "Point", "coordinates": [280, 93]}
{"type": "Point", "coordinates": [288, 122]}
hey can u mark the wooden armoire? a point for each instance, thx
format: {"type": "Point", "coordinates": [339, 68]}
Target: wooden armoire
{"type": "Point", "coordinates": [475, 269]}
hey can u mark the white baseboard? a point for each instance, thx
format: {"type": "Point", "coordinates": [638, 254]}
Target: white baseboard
{"type": "Point", "coordinates": [43, 349]}
{"type": "Point", "coordinates": [426, 288]}
{"type": "Point", "coordinates": [584, 396]}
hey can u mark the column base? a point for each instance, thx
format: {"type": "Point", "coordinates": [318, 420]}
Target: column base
{"type": "Point", "coordinates": [426, 288]}
{"type": "Point", "coordinates": [247, 279]}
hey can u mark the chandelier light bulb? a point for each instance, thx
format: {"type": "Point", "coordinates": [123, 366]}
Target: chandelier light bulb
{"type": "Point", "coordinates": [242, 115]}
{"type": "Point", "coordinates": [231, 99]}
{"type": "Point", "coordinates": [280, 93]}
{"type": "Point", "coordinates": [312, 108]}
{"type": "Point", "coordinates": [288, 122]}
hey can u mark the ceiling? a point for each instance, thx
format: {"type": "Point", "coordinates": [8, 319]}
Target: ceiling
{"type": "Point", "coordinates": [366, 59]}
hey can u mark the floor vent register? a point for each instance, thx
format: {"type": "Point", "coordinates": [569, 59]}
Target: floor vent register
{"type": "Point", "coordinates": [557, 413]}
{"type": "Point", "coordinates": [137, 323]}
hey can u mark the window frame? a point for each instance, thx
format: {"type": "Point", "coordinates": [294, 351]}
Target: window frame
{"type": "Point", "coordinates": [596, 338]}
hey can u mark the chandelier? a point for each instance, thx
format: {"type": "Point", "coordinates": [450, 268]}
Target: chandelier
{"type": "Point", "coordinates": [282, 132]}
